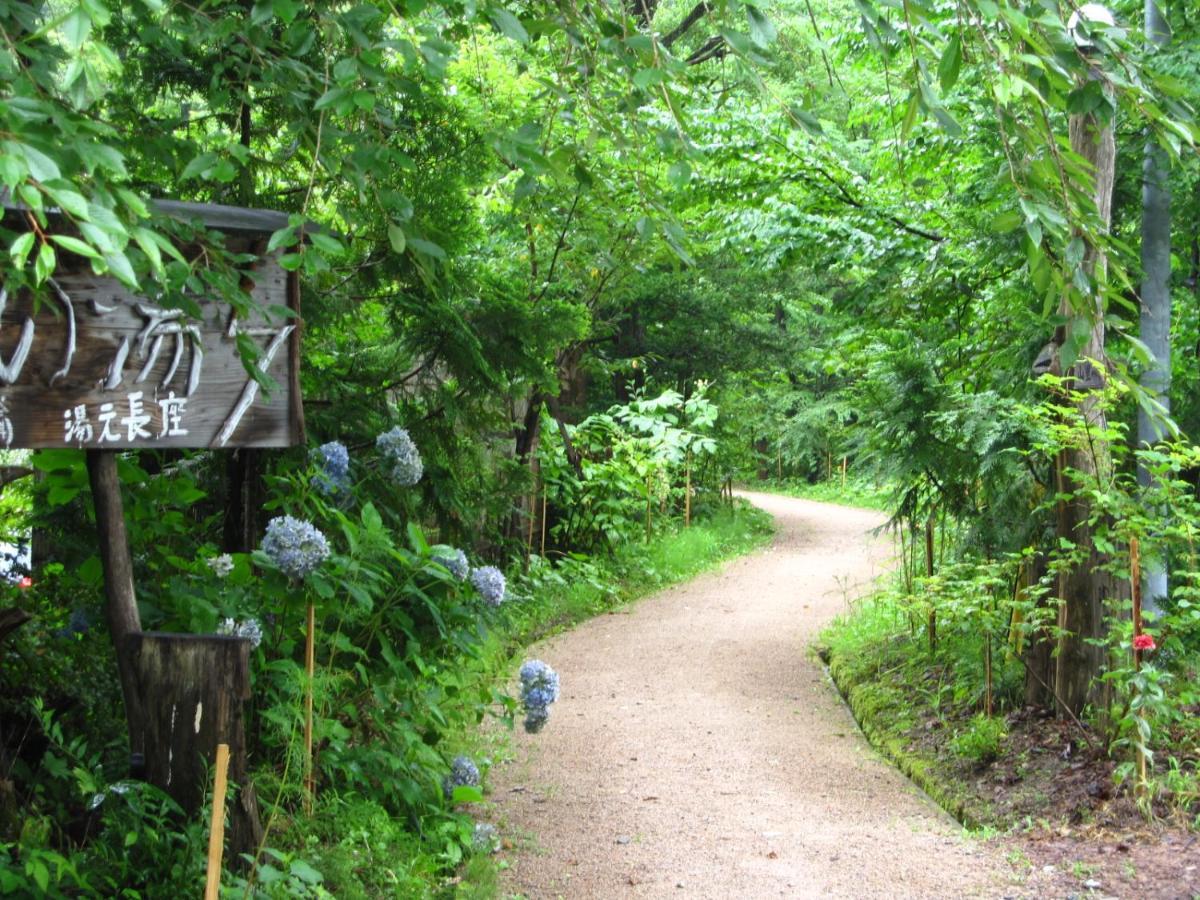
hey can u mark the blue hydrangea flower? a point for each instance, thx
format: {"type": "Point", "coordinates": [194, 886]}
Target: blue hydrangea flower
{"type": "Point", "coordinates": [221, 565]}
{"type": "Point", "coordinates": [295, 546]}
{"type": "Point", "coordinates": [463, 773]}
{"type": "Point", "coordinates": [485, 838]}
{"type": "Point", "coordinates": [249, 629]}
{"type": "Point", "coordinates": [539, 688]}
{"type": "Point", "coordinates": [334, 460]}
{"type": "Point", "coordinates": [454, 560]}
{"type": "Point", "coordinates": [489, 581]}
{"type": "Point", "coordinates": [402, 454]}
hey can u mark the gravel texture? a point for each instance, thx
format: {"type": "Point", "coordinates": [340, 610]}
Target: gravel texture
{"type": "Point", "coordinates": [698, 750]}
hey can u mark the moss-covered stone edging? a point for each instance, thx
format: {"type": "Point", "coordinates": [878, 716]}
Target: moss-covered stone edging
{"type": "Point", "coordinates": [874, 710]}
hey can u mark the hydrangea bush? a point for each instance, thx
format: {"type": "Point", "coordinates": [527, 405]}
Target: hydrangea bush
{"type": "Point", "coordinates": [248, 628]}
{"type": "Point", "coordinates": [296, 547]}
{"type": "Point", "coordinates": [455, 560]}
{"type": "Point", "coordinates": [463, 773]}
{"type": "Point", "coordinates": [489, 581]}
{"type": "Point", "coordinates": [402, 455]}
{"type": "Point", "coordinates": [539, 688]}
{"type": "Point", "coordinates": [333, 459]}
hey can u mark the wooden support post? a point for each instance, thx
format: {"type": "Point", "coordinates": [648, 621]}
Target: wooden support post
{"type": "Point", "coordinates": [310, 780]}
{"type": "Point", "coordinates": [120, 606]}
{"type": "Point", "coordinates": [843, 473]}
{"type": "Point", "coordinates": [216, 826]}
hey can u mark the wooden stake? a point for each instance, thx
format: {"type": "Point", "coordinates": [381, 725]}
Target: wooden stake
{"type": "Point", "coordinates": [543, 551]}
{"type": "Point", "coordinates": [649, 503]}
{"type": "Point", "coordinates": [1135, 585]}
{"type": "Point", "coordinates": [310, 781]}
{"type": "Point", "coordinates": [216, 828]}
{"type": "Point", "coordinates": [843, 473]}
{"type": "Point", "coordinates": [931, 625]}
{"type": "Point", "coordinates": [687, 493]}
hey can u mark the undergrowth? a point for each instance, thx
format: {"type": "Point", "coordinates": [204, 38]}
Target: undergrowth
{"type": "Point", "coordinates": [857, 491]}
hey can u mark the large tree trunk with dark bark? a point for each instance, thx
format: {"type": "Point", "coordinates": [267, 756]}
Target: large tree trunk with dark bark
{"type": "Point", "coordinates": [1084, 587]}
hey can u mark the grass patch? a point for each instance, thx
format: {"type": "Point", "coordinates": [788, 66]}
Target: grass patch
{"type": "Point", "coordinates": [859, 492]}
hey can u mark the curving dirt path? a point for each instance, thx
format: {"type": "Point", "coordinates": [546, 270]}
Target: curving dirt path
{"type": "Point", "coordinates": [697, 750]}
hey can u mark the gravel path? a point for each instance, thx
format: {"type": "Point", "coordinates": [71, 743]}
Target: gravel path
{"type": "Point", "coordinates": [698, 750]}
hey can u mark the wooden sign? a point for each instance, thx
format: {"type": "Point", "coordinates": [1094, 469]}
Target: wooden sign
{"type": "Point", "coordinates": [99, 367]}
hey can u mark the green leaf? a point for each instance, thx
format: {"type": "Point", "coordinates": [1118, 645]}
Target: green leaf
{"type": "Point", "coordinates": [43, 266]}
{"type": "Point", "coordinates": [306, 873]}
{"type": "Point", "coordinates": [950, 63]}
{"type": "Point", "coordinates": [679, 174]}
{"type": "Point", "coordinates": [75, 246]}
{"type": "Point", "coordinates": [396, 237]}
{"type": "Point", "coordinates": [77, 28]}
{"type": "Point", "coordinates": [762, 31]}
{"type": "Point", "coordinates": [198, 166]}
{"type": "Point", "coordinates": [327, 244]}
{"type": "Point", "coordinates": [647, 77]}
{"type": "Point", "coordinates": [509, 25]}
{"type": "Point", "coordinates": [466, 794]}
{"type": "Point", "coordinates": [19, 251]}
{"type": "Point", "coordinates": [429, 248]}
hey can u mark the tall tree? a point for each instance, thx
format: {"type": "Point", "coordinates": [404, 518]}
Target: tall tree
{"type": "Point", "coordinates": [1156, 301]}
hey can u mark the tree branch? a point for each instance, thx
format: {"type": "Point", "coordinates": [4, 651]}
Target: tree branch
{"type": "Point", "coordinates": [698, 12]}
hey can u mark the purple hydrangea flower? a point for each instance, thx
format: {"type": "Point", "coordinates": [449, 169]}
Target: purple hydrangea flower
{"type": "Point", "coordinates": [489, 581]}
{"type": "Point", "coordinates": [334, 460]}
{"type": "Point", "coordinates": [539, 688]}
{"type": "Point", "coordinates": [463, 773]}
{"type": "Point", "coordinates": [454, 560]}
{"type": "Point", "coordinates": [295, 546]}
{"type": "Point", "coordinates": [402, 454]}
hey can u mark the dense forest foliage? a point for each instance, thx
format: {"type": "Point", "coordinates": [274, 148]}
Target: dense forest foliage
{"type": "Point", "coordinates": [567, 271]}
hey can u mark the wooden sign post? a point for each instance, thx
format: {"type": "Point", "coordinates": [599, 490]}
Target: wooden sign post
{"type": "Point", "coordinates": [92, 365]}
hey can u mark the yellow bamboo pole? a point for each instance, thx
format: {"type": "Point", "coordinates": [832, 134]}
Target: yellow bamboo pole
{"type": "Point", "coordinates": [216, 828]}
{"type": "Point", "coordinates": [310, 781]}
{"type": "Point", "coordinates": [1135, 585]}
{"type": "Point", "coordinates": [687, 493]}
{"type": "Point", "coordinates": [543, 518]}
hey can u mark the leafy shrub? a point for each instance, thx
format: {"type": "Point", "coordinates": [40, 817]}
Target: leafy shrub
{"type": "Point", "coordinates": [981, 739]}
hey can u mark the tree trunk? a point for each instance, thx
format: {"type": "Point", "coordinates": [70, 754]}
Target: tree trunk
{"type": "Point", "coordinates": [1084, 588]}
{"type": "Point", "coordinates": [120, 607]}
{"type": "Point", "coordinates": [1156, 302]}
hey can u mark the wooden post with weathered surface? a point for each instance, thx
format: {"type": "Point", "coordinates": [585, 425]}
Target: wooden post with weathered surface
{"type": "Point", "coordinates": [191, 691]}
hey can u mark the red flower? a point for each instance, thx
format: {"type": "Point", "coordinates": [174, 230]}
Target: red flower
{"type": "Point", "coordinates": [1144, 641]}
{"type": "Point", "coordinates": [25, 583]}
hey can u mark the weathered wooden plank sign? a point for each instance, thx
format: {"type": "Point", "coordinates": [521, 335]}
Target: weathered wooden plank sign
{"type": "Point", "coordinates": [99, 367]}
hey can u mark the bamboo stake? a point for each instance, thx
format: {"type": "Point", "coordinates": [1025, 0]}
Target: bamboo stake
{"type": "Point", "coordinates": [216, 828]}
{"type": "Point", "coordinates": [931, 626]}
{"type": "Point", "coordinates": [310, 781]}
{"type": "Point", "coordinates": [532, 517]}
{"type": "Point", "coordinates": [543, 551]}
{"type": "Point", "coordinates": [649, 504]}
{"type": "Point", "coordinates": [687, 493]}
{"type": "Point", "coordinates": [1135, 584]}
